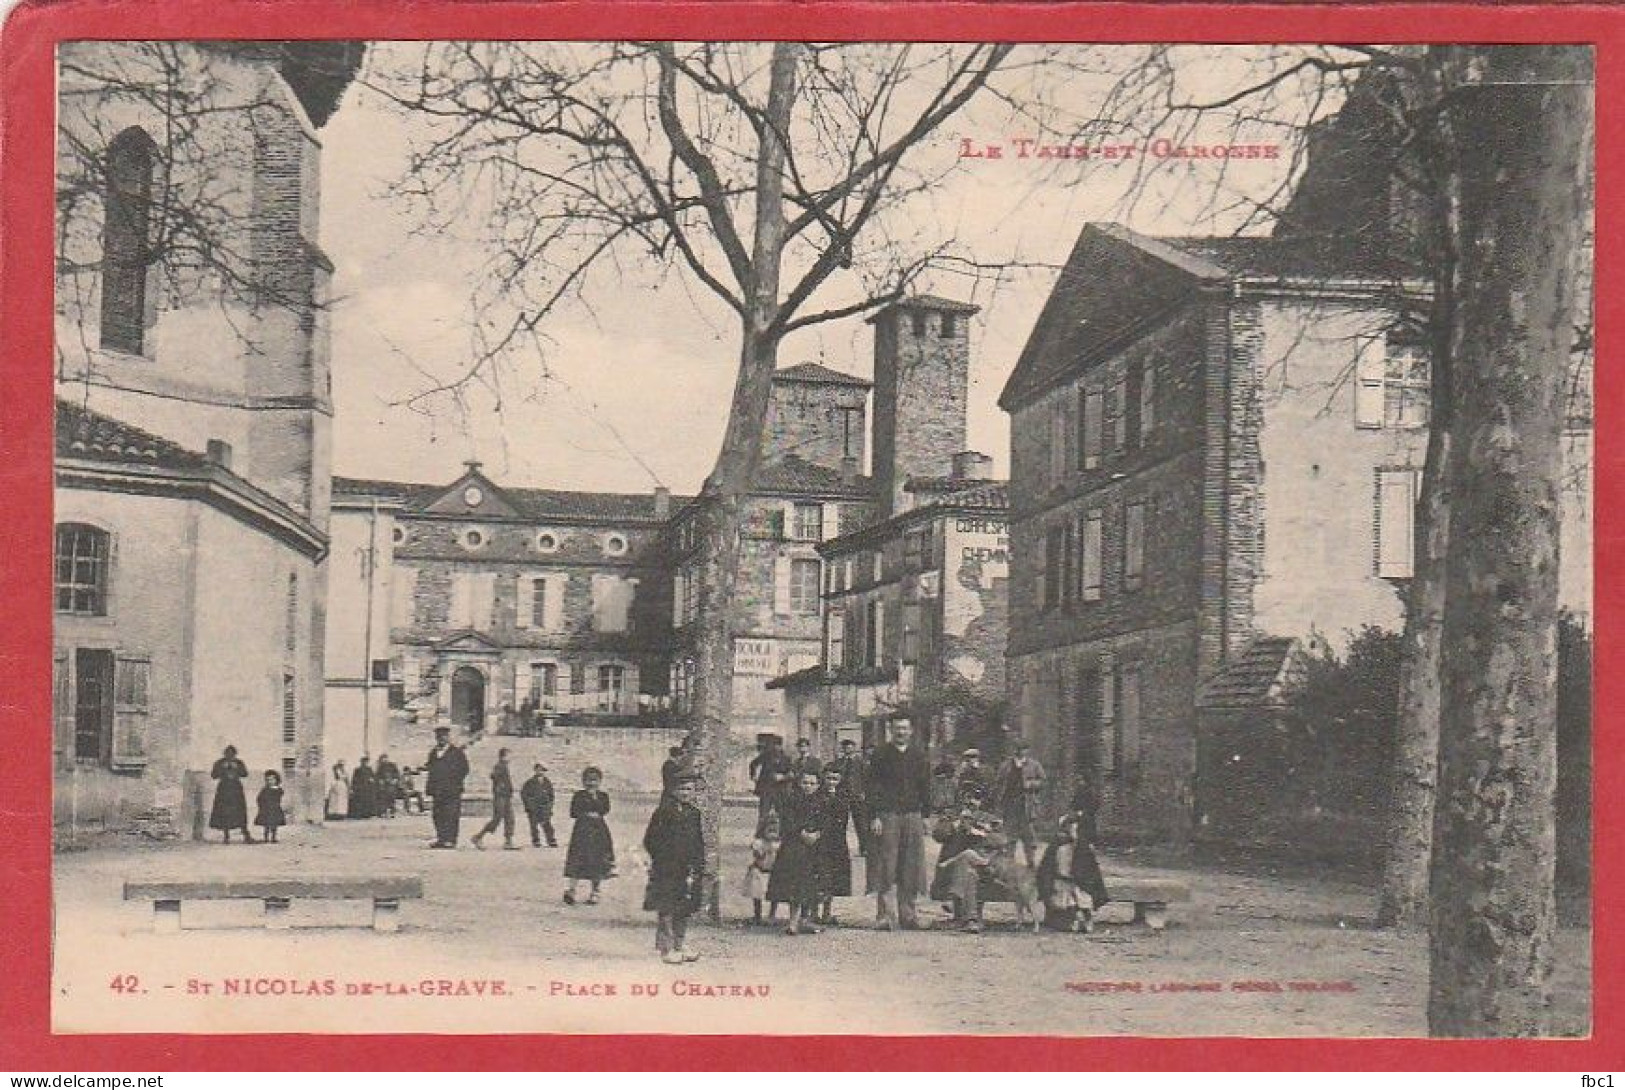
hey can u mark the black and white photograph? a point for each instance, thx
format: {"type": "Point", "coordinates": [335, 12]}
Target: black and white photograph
{"type": "Point", "coordinates": [797, 538]}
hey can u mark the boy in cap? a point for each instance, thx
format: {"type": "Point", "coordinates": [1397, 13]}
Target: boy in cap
{"type": "Point", "coordinates": [537, 795]}
{"type": "Point", "coordinates": [676, 850]}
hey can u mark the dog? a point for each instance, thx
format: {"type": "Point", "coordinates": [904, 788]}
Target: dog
{"type": "Point", "coordinates": [1002, 872]}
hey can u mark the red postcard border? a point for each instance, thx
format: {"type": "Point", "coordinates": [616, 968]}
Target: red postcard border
{"type": "Point", "coordinates": [26, 223]}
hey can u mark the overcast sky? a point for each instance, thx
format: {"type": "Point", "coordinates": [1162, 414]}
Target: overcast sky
{"type": "Point", "coordinates": [639, 385]}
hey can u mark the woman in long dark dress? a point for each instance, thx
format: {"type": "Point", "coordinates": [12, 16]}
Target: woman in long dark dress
{"type": "Point", "coordinates": [363, 791]}
{"type": "Point", "coordinates": [834, 854]}
{"type": "Point", "coordinates": [591, 855]}
{"type": "Point", "coordinates": [230, 810]}
{"type": "Point", "coordinates": [795, 878]}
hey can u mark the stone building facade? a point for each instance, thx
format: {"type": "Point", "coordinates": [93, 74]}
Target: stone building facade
{"type": "Point", "coordinates": [1215, 442]}
{"type": "Point", "coordinates": [490, 604]}
{"type": "Point", "coordinates": [915, 621]}
{"type": "Point", "coordinates": [192, 419]}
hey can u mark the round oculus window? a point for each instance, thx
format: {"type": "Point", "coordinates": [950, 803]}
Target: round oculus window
{"type": "Point", "coordinates": [615, 545]}
{"type": "Point", "coordinates": [473, 495]}
{"type": "Point", "coordinates": [473, 539]}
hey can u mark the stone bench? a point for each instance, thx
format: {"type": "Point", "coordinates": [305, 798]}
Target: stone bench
{"type": "Point", "coordinates": [1149, 896]}
{"type": "Point", "coordinates": [278, 895]}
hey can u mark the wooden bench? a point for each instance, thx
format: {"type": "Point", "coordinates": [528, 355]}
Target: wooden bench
{"type": "Point", "coordinates": [1149, 896]}
{"type": "Point", "coordinates": [278, 895]}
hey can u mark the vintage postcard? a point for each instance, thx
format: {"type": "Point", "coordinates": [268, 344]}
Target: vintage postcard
{"type": "Point", "coordinates": [819, 537]}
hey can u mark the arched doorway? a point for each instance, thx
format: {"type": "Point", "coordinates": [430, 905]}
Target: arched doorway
{"type": "Point", "coordinates": [468, 698]}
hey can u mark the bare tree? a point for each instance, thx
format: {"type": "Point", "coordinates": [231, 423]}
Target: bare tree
{"type": "Point", "coordinates": [763, 172]}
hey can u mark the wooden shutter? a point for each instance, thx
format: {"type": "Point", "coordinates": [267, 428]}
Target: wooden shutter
{"type": "Point", "coordinates": [781, 586]}
{"type": "Point", "coordinates": [521, 682]}
{"type": "Point", "coordinates": [1041, 571]}
{"type": "Point", "coordinates": [1109, 738]}
{"type": "Point", "coordinates": [403, 589]}
{"type": "Point", "coordinates": [1091, 557]}
{"type": "Point", "coordinates": [1094, 412]}
{"type": "Point", "coordinates": [484, 592]}
{"type": "Point", "coordinates": [523, 592]}
{"type": "Point", "coordinates": [1395, 522]}
{"type": "Point", "coordinates": [831, 520]}
{"type": "Point", "coordinates": [132, 677]}
{"type": "Point", "coordinates": [1133, 544]}
{"type": "Point", "coordinates": [1148, 402]}
{"type": "Point", "coordinates": [1370, 372]}
{"type": "Point", "coordinates": [62, 702]}
{"type": "Point", "coordinates": [835, 640]}
{"type": "Point", "coordinates": [678, 592]}
{"type": "Point", "coordinates": [1129, 721]}
{"type": "Point", "coordinates": [553, 614]}
{"type": "Point", "coordinates": [462, 600]}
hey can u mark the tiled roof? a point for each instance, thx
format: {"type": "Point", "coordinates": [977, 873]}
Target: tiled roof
{"type": "Point", "coordinates": [1118, 285]}
{"type": "Point", "coordinates": [930, 302]}
{"type": "Point", "coordinates": [818, 373]}
{"type": "Point", "coordinates": [1253, 679]}
{"type": "Point", "coordinates": [533, 503]}
{"type": "Point", "coordinates": [795, 474]}
{"type": "Point", "coordinates": [1294, 258]}
{"type": "Point", "coordinates": [85, 434]}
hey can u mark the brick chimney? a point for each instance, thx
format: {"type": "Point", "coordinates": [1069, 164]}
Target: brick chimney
{"type": "Point", "coordinates": [662, 502]}
{"type": "Point", "coordinates": [972, 465]}
{"type": "Point", "coordinates": [218, 452]}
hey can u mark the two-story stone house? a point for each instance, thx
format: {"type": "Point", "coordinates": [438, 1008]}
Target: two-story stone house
{"type": "Point", "coordinates": [1216, 445]}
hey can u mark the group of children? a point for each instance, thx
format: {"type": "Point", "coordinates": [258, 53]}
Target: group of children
{"type": "Point", "coordinates": [800, 857]}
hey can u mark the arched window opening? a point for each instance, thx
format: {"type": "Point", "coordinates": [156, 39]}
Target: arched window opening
{"type": "Point", "coordinates": [126, 234]}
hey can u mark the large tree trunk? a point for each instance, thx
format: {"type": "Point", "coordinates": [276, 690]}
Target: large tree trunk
{"type": "Point", "coordinates": [727, 491]}
{"type": "Point", "coordinates": [1403, 901]}
{"type": "Point", "coordinates": [1520, 118]}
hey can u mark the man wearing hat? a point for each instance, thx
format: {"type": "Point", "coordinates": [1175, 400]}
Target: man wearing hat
{"type": "Point", "coordinates": [1016, 794]}
{"type": "Point", "coordinates": [537, 795]}
{"type": "Point", "coordinates": [971, 786]}
{"type": "Point", "coordinates": [771, 771]}
{"type": "Point", "coordinates": [447, 767]}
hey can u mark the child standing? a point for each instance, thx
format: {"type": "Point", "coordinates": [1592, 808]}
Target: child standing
{"type": "Point", "coordinates": [795, 872]}
{"type": "Point", "coordinates": [763, 851]}
{"type": "Point", "coordinates": [834, 853]}
{"type": "Point", "coordinates": [269, 815]}
{"type": "Point", "coordinates": [537, 795]}
{"type": "Point", "coordinates": [591, 855]}
{"type": "Point", "coordinates": [1069, 878]}
{"type": "Point", "coordinates": [676, 850]}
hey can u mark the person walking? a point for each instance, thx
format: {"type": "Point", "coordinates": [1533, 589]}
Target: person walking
{"type": "Point", "coordinates": [447, 767]}
{"type": "Point", "coordinates": [537, 796]}
{"type": "Point", "coordinates": [230, 809]}
{"type": "Point", "coordinates": [676, 850]}
{"type": "Point", "coordinates": [591, 854]}
{"type": "Point", "coordinates": [899, 796]}
{"type": "Point", "coordinates": [501, 805]}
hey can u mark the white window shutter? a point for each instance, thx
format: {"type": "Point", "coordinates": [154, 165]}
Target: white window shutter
{"type": "Point", "coordinates": [485, 591]}
{"type": "Point", "coordinates": [403, 588]}
{"type": "Point", "coordinates": [781, 586]}
{"type": "Point", "coordinates": [521, 682]}
{"type": "Point", "coordinates": [835, 639]}
{"type": "Point", "coordinates": [462, 601]}
{"type": "Point", "coordinates": [832, 520]}
{"type": "Point", "coordinates": [1370, 371]}
{"type": "Point", "coordinates": [677, 592]}
{"type": "Point", "coordinates": [1396, 512]}
{"type": "Point", "coordinates": [553, 614]}
{"type": "Point", "coordinates": [522, 599]}
{"type": "Point", "coordinates": [1040, 572]}
{"type": "Point", "coordinates": [789, 521]}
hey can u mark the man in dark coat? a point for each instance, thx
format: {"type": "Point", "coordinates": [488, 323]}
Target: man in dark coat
{"type": "Point", "coordinates": [849, 764]}
{"type": "Point", "coordinates": [501, 805]}
{"type": "Point", "coordinates": [447, 767]}
{"type": "Point", "coordinates": [771, 770]}
{"type": "Point", "coordinates": [537, 795]}
{"type": "Point", "coordinates": [899, 797]}
{"type": "Point", "coordinates": [805, 763]}
{"type": "Point", "coordinates": [676, 848]}
{"type": "Point", "coordinates": [389, 785]}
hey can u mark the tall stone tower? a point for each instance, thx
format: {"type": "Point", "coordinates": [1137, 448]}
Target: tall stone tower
{"type": "Point", "coordinates": [820, 415]}
{"type": "Point", "coordinates": [922, 374]}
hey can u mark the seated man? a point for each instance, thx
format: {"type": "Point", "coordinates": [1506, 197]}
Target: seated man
{"type": "Point", "coordinates": [966, 855]}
